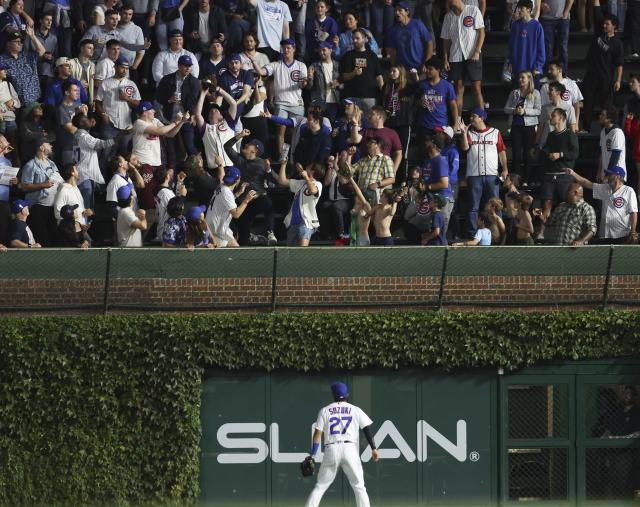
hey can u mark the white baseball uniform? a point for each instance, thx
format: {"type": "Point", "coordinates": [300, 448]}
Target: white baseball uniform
{"type": "Point", "coordinates": [340, 424]}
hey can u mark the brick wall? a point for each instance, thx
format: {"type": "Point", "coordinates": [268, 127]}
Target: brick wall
{"type": "Point", "coordinates": [322, 293]}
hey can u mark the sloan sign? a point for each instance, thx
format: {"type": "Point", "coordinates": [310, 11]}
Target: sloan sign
{"type": "Point", "coordinates": [255, 442]}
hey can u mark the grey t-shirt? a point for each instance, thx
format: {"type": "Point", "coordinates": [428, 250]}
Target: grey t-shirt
{"type": "Point", "coordinates": [557, 8]}
{"type": "Point", "coordinates": [65, 115]}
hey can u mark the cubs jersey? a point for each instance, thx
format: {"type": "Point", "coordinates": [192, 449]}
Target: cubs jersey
{"type": "Point", "coordinates": [571, 95]}
{"type": "Point", "coordinates": [613, 139]}
{"type": "Point", "coordinates": [213, 138]}
{"type": "Point", "coordinates": [286, 81]}
{"type": "Point", "coordinates": [615, 218]}
{"type": "Point", "coordinates": [462, 31]}
{"type": "Point", "coordinates": [341, 422]}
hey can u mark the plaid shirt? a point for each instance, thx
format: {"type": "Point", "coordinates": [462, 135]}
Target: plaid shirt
{"type": "Point", "coordinates": [373, 169]}
{"type": "Point", "coordinates": [569, 222]}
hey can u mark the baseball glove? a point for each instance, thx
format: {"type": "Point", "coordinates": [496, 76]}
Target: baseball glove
{"type": "Point", "coordinates": [307, 466]}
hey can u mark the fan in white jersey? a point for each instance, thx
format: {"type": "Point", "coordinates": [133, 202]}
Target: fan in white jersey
{"type": "Point", "coordinates": [572, 95]}
{"type": "Point", "coordinates": [222, 207]}
{"type": "Point", "coordinates": [619, 209]}
{"type": "Point", "coordinates": [289, 78]}
{"type": "Point", "coordinates": [341, 422]}
{"type": "Point", "coordinates": [613, 144]}
{"type": "Point", "coordinates": [164, 193]}
{"type": "Point", "coordinates": [220, 126]}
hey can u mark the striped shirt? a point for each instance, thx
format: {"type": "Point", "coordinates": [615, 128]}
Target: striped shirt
{"type": "Point", "coordinates": [616, 209]}
{"type": "Point", "coordinates": [569, 222]}
{"type": "Point", "coordinates": [462, 31]}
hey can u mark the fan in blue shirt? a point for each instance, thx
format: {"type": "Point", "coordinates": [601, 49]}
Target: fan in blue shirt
{"type": "Point", "coordinates": [409, 38]}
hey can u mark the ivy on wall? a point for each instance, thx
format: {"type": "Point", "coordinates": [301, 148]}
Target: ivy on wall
{"type": "Point", "coordinates": [106, 409]}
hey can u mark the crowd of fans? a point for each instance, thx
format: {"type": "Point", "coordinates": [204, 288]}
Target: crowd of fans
{"type": "Point", "coordinates": [180, 119]}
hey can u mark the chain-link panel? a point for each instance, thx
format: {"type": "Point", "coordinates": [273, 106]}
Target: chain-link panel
{"type": "Point", "coordinates": [538, 411]}
{"type": "Point", "coordinates": [611, 411]}
{"type": "Point", "coordinates": [538, 474]}
{"type": "Point", "coordinates": [53, 264]}
{"type": "Point", "coordinates": [612, 474]}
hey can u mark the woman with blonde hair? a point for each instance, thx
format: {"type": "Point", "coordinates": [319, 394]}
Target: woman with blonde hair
{"type": "Point", "coordinates": [524, 106]}
{"type": "Point", "coordinates": [352, 115]}
{"type": "Point", "coordinates": [399, 95]}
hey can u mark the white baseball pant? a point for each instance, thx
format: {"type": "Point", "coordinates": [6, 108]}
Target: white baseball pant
{"type": "Point", "coordinates": [343, 455]}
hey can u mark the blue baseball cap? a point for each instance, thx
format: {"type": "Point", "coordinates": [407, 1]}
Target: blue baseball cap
{"type": "Point", "coordinates": [403, 5]}
{"type": "Point", "coordinates": [347, 101]}
{"type": "Point", "coordinates": [193, 215]}
{"type": "Point", "coordinates": [124, 192]}
{"type": "Point", "coordinates": [339, 390]}
{"type": "Point", "coordinates": [235, 57]}
{"type": "Point", "coordinates": [617, 170]}
{"type": "Point", "coordinates": [18, 205]}
{"type": "Point", "coordinates": [144, 106]}
{"type": "Point", "coordinates": [122, 60]}
{"type": "Point", "coordinates": [288, 42]}
{"type": "Point", "coordinates": [231, 175]}
{"type": "Point", "coordinates": [479, 111]}
{"type": "Point", "coordinates": [68, 210]}
{"type": "Point", "coordinates": [185, 60]}
{"type": "Point", "coordinates": [258, 144]}
{"type": "Point", "coordinates": [325, 45]}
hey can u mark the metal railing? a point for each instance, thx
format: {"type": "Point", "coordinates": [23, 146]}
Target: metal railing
{"type": "Point", "coordinates": [112, 278]}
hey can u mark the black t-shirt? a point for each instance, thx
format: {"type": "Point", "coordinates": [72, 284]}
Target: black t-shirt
{"type": "Point", "coordinates": [363, 86]}
{"type": "Point", "coordinates": [605, 54]}
{"type": "Point", "coordinates": [19, 231]}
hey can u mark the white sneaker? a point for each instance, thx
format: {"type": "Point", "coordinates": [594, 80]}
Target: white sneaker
{"type": "Point", "coordinates": [271, 238]}
{"type": "Point", "coordinates": [284, 154]}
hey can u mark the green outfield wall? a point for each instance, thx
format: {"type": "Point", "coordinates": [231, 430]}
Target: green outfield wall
{"type": "Point", "coordinates": [458, 438]}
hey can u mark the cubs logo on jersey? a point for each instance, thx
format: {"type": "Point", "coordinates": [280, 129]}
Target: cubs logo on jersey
{"type": "Point", "coordinates": [295, 75]}
{"type": "Point", "coordinates": [468, 21]}
{"type": "Point", "coordinates": [566, 96]}
{"type": "Point", "coordinates": [128, 90]}
{"type": "Point", "coordinates": [619, 202]}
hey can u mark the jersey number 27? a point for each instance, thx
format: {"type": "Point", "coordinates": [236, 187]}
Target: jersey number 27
{"type": "Point", "coordinates": [335, 421]}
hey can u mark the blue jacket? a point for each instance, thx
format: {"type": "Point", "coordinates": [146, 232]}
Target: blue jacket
{"type": "Point", "coordinates": [54, 94]}
{"type": "Point", "coordinates": [526, 46]}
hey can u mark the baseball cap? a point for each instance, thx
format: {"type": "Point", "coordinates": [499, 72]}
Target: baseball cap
{"type": "Point", "coordinates": [68, 210]}
{"type": "Point", "coordinates": [479, 111]}
{"type": "Point", "coordinates": [288, 42]}
{"type": "Point", "coordinates": [235, 57]}
{"type": "Point", "coordinates": [144, 106]}
{"type": "Point", "coordinates": [175, 33]}
{"type": "Point", "coordinates": [347, 101]}
{"type": "Point", "coordinates": [124, 192]}
{"type": "Point", "coordinates": [446, 129]}
{"type": "Point", "coordinates": [339, 390]}
{"type": "Point", "coordinates": [193, 215]}
{"type": "Point", "coordinates": [121, 60]}
{"type": "Point", "coordinates": [325, 45]}
{"type": "Point", "coordinates": [185, 60]}
{"type": "Point", "coordinates": [617, 170]}
{"type": "Point", "coordinates": [14, 36]}
{"type": "Point", "coordinates": [258, 144]}
{"type": "Point", "coordinates": [63, 60]}
{"type": "Point", "coordinates": [403, 5]}
{"type": "Point", "coordinates": [231, 175]}
{"type": "Point", "coordinates": [19, 205]}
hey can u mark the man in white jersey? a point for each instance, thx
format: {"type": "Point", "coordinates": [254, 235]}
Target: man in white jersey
{"type": "Point", "coordinates": [341, 422]}
{"type": "Point", "coordinates": [613, 150]}
{"type": "Point", "coordinates": [219, 128]}
{"type": "Point", "coordinates": [619, 209]}
{"type": "Point", "coordinates": [572, 95]}
{"type": "Point", "coordinates": [289, 78]}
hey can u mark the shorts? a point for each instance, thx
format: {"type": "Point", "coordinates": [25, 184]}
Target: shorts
{"type": "Point", "coordinates": [297, 232]}
{"type": "Point", "coordinates": [466, 69]}
{"type": "Point", "coordinates": [388, 241]}
{"type": "Point", "coordinates": [555, 186]}
{"type": "Point", "coordinates": [285, 111]}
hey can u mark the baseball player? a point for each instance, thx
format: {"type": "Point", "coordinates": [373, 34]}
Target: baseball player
{"type": "Point", "coordinates": [340, 422]}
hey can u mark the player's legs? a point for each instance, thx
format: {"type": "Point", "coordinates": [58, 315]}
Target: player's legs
{"type": "Point", "coordinates": [352, 468]}
{"type": "Point", "coordinates": [326, 475]}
